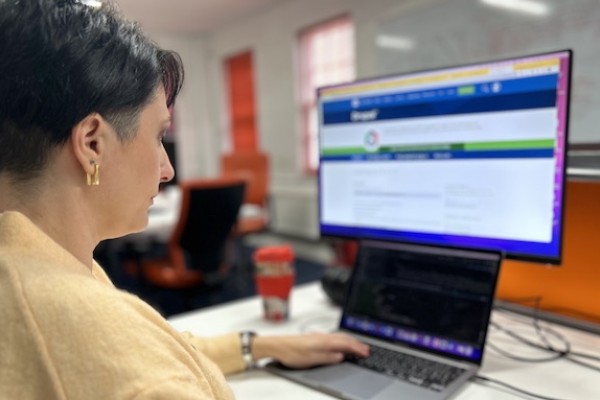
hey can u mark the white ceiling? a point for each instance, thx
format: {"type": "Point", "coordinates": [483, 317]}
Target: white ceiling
{"type": "Point", "coordinates": [189, 16]}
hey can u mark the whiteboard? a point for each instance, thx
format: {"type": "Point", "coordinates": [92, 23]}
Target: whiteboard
{"type": "Point", "coordinates": [453, 32]}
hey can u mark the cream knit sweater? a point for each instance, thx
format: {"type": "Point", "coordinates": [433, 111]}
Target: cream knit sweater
{"type": "Point", "coordinates": [68, 333]}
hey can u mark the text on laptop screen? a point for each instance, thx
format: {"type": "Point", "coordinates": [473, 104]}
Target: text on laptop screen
{"type": "Point", "coordinates": [470, 156]}
{"type": "Point", "coordinates": [433, 299]}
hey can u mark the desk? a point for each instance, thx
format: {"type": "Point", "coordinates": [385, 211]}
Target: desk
{"type": "Point", "coordinates": [311, 311]}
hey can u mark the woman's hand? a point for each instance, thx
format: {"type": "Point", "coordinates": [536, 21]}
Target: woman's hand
{"type": "Point", "coordinates": [307, 350]}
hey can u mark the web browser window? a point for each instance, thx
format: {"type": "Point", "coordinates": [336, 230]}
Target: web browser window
{"type": "Point", "coordinates": [469, 156]}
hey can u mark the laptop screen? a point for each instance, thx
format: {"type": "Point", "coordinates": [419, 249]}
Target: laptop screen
{"type": "Point", "coordinates": [433, 299]}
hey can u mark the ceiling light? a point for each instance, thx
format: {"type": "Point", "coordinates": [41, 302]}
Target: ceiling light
{"type": "Point", "coordinates": [532, 7]}
{"type": "Point", "coordinates": [395, 42]}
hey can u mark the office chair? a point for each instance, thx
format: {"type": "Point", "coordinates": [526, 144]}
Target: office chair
{"type": "Point", "coordinates": [253, 167]}
{"type": "Point", "coordinates": [197, 250]}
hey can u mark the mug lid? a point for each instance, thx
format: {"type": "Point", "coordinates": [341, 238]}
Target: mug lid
{"type": "Point", "coordinates": [274, 253]}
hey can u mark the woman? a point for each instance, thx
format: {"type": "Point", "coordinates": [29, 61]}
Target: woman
{"type": "Point", "coordinates": [83, 109]}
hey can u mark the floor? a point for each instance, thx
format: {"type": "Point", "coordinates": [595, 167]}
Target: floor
{"type": "Point", "coordinates": [311, 259]}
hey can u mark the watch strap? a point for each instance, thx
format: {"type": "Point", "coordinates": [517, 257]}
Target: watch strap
{"type": "Point", "coordinates": [246, 338]}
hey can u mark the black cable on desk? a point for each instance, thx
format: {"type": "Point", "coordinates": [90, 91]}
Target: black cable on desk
{"type": "Point", "coordinates": [485, 380]}
{"type": "Point", "coordinates": [514, 357]}
{"type": "Point", "coordinates": [584, 364]}
{"type": "Point", "coordinates": [535, 318]}
{"type": "Point", "coordinates": [556, 353]}
{"type": "Point", "coordinates": [568, 354]}
{"type": "Point", "coordinates": [538, 328]}
{"type": "Point", "coordinates": [585, 355]}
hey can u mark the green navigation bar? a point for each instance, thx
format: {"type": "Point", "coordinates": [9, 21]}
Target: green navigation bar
{"type": "Point", "coordinates": [473, 146]}
{"type": "Point", "coordinates": [513, 144]}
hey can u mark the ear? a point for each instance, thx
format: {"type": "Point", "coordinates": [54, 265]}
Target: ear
{"type": "Point", "coordinates": [88, 138]}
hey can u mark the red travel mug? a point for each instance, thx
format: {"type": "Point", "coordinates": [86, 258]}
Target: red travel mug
{"type": "Point", "coordinates": [274, 278]}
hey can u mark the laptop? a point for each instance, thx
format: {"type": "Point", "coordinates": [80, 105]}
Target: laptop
{"type": "Point", "coordinates": [423, 310]}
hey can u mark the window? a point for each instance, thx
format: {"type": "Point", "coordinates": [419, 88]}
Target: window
{"type": "Point", "coordinates": [239, 70]}
{"type": "Point", "coordinates": [326, 58]}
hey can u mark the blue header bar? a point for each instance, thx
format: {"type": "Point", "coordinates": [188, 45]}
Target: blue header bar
{"type": "Point", "coordinates": [463, 105]}
{"type": "Point", "coordinates": [491, 88]}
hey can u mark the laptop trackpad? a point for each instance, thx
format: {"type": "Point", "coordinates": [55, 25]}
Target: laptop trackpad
{"type": "Point", "coordinates": [350, 380]}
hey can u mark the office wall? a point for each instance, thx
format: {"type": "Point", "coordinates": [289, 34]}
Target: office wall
{"type": "Point", "coordinates": [192, 123]}
{"type": "Point", "coordinates": [272, 36]}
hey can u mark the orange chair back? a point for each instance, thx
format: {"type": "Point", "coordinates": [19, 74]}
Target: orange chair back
{"type": "Point", "coordinates": [197, 247]}
{"type": "Point", "coordinates": [253, 167]}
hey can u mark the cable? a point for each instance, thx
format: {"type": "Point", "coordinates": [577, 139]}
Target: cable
{"type": "Point", "coordinates": [536, 323]}
{"type": "Point", "coordinates": [523, 359]}
{"type": "Point", "coordinates": [485, 380]}
{"type": "Point", "coordinates": [539, 330]}
{"type": "Point", "coordinates": [546, 347]}
{"type": "Point", "coordinates": [568, 354]}
{"type": "Point", "coordinates": [584, 364]}
{"type": "Point", "coordinates": [536, 300]}
{"type": "Point", "coordinates": [542, 332]}
{"type": "Point", "coordinates": [585, 355]}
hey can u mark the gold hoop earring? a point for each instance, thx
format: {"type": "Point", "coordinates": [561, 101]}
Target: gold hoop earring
{"type": "Point", "coordinates": [94, 179]}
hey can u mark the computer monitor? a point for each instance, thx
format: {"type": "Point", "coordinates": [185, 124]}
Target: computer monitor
{"type": "Point", "coordinates": [470, 156]}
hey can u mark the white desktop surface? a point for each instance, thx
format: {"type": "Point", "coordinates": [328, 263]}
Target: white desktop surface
{"type": "Point", "coordinates": [311, 311]}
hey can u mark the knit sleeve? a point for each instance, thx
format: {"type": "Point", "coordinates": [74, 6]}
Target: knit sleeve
{"type": "Point", "coordinates": [225, 350]}
{"type": "Point", "coordinates": [174, 387]}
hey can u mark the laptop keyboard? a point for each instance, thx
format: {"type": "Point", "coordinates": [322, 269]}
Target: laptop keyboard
{"type": "Point", "coordinates": [425, 373]}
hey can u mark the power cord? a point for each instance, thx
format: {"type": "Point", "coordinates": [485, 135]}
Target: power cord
{"type": "Point", "coordinates": [523, 359]}
{"type": "Point", "coordinates": [547, 346]}
{"type": "Point", "coordinates": [484, 380]}
{"type": "Point", "coordinates": [567, 353]}
{"type": "Point", "coordinates": [543, 333]}
{"type": "Point", "coordinates": [585, 355]}
{"type": "Point", "coordinates": [584, 364]}
{"type": "Point", "coordinates": [535, 318]}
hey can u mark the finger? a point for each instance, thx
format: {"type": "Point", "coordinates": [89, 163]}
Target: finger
{"type": "Point", "coordinates": [329, 358]}
{"type": "Point", "coordinates": [347, 344]}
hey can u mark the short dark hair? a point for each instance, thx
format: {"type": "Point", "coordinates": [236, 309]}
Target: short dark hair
{"type": "Point", "coordinates": [61, 60]}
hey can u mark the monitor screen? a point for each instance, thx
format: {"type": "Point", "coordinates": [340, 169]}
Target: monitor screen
{"type": "Point", "coordinates": [470, 156]}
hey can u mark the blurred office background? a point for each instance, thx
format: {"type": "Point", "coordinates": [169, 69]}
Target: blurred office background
{"type": "Point", "coordinates": [386, 36]}
{"type": "Point", "coordinates": [252, 67]}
